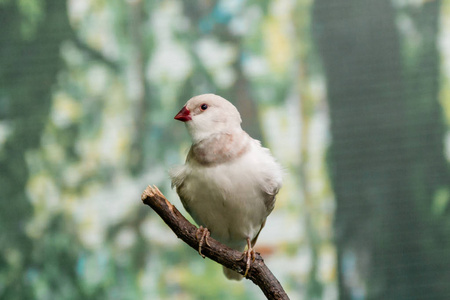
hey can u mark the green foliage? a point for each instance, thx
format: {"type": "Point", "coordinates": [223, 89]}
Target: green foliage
{"type": "Point", "coordinates": [33, 13]}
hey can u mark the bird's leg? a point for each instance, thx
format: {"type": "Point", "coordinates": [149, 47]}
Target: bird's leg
{"type": "Point", "coordinates": [249, 256]}
{"type": "Point", "coordinates": [204, 235]}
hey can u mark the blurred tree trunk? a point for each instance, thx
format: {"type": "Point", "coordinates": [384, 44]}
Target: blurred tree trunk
{"type": "Point", "coordinates": [28, 67]}
{"type": "Point", "coordinates": [386, 161]}
{"type": "Point", "coordinates": [141, 98]}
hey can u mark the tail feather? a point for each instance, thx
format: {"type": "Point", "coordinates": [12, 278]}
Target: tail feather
{"type": "Point", "coordinates": [233, 275]}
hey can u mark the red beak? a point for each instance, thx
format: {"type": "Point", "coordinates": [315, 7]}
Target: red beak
{"type": "Point", "coordinates": [184, 115]}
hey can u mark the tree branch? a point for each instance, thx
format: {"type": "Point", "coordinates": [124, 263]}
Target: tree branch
{"type": "Point", "coordinates": [94, 54]}
{"type": "Point", "coordinates": [259, 273]}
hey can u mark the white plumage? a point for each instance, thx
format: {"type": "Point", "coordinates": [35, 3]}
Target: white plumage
{"type": "Point", "coordinates": [229, 182]}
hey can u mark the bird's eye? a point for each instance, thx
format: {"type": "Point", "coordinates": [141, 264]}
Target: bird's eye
{"type": "Point", "coordinates": [204, 106]}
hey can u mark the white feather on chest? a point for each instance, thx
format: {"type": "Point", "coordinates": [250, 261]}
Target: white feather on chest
{"type": "Point", "coordinates": [229, 198]}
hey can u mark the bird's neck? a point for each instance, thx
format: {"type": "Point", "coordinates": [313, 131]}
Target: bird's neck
{"type": "Point", "coordinates": [200, 131]}
{"type": "Point", "coordinates": [220, 147]}
{"type": "Point", "coordinates": [199, 134]}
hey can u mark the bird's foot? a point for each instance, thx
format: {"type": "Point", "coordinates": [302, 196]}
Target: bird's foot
{"type": "Point", "coordinates": [204, 234]}
{"type": "Point", "coordinates": [249, 255]}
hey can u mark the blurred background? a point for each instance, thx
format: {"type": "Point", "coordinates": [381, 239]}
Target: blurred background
{"type": "Point", "coordinates": [351, 96]}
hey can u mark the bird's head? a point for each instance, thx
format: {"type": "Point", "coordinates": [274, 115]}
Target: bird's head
{"type": "Point", "coordinates": [208, 114]}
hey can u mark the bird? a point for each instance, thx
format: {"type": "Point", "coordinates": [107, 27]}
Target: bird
{"type": "Point", "coordinates": [229, 182]}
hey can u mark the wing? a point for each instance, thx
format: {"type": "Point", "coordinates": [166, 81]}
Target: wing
{"type": "Point", "coordinates": [256, 237]}
{"type": "Point", "coordinates": [270, 175]}
{"type": "Point", "coordinates": [184, 200]}
{"type": "Point", "coordinates": [269, 184]}
{"type": "Point", "coordinates": [178, 175]}
{"type": "Point", "coordinates": [269, 191]}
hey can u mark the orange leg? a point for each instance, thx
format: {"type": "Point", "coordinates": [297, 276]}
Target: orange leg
{"type": "Point", "coordinates": [249, 256]}
{"type": "Point", "coordinates": [203, 239]}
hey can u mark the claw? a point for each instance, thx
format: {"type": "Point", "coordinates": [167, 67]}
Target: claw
{"type": "Point", "coordinates": [203, 239]}
{"type": "Point", "coordinates": [249, 256]}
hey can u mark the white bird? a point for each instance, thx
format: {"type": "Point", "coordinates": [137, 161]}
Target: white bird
{"type": "Point", "coordinates": [228, 182]}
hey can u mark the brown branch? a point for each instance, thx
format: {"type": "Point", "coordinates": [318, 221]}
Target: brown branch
{"type": "Point", "coordinates": [259, 273]}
